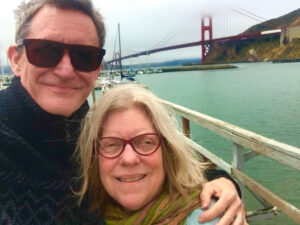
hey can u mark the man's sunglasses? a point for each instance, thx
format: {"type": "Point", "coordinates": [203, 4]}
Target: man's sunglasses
{"type": "Point", "coordinates": [45, 53]}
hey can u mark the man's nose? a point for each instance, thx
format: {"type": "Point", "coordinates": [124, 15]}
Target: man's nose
{"type": "Point", "coordinates": [64, 68]}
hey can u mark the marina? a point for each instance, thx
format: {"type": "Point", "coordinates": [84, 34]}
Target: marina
{"type": "Point", "coordinates": [5, 81]}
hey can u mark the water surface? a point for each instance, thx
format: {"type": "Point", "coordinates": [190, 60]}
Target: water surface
{"type": "Point", "coordinates": [261, 97]}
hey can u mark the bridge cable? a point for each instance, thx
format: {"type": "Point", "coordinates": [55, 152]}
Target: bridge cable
{"type": "Point", "coordinates": [253, 16]}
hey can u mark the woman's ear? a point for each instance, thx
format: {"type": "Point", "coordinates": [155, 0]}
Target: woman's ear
{"type": "Point", "coordinates": [14, 57]}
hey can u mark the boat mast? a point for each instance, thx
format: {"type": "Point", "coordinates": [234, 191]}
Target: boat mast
{"type": "Point", "coordinates": [1, 64]}
{"type": "Point", "coordinates": [120, 55]}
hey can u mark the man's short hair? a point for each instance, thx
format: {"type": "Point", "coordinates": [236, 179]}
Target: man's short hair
{"type": "Point", "coordinates": [26, 11]}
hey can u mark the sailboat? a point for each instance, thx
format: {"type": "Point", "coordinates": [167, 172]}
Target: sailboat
{"type": "Point", "coordinates": [124, 78]}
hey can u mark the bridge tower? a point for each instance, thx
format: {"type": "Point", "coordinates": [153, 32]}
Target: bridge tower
{"type": "Point", "coordinates": [204, 29]}
{"type": "Point", "coordinates": [117, 61]}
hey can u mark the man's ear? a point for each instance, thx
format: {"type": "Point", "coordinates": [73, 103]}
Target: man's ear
{"type": "Point", "coordinates": [14, 57]}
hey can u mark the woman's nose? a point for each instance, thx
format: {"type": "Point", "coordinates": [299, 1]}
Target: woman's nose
{"type": "Point", "coordinates": [129, 156]}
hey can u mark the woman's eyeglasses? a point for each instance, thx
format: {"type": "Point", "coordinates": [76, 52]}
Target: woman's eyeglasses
{"type": "Point", "coordinates": [45, 53]}
{"type": "Point", "coordinates": [112, 147]}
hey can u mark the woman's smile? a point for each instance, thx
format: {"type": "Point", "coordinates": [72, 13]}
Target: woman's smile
{"type": "Point", "coordinates": [131, 179]}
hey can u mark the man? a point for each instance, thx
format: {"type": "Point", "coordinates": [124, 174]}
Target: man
{"type": "Point", "coordinates": [56, 61]}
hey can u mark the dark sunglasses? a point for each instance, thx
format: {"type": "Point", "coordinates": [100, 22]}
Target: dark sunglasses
{"type": "Point", "coordinates": [45, 53]}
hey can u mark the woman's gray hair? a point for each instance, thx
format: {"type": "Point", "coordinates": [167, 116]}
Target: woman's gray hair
{"type": "Point", "coordinates": [26, 11]}
{"type": "Point", "coordinates": [184, 171]}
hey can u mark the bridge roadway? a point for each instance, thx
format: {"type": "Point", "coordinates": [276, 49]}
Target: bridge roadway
{"type": "Point", "coordinates": [239, 37]}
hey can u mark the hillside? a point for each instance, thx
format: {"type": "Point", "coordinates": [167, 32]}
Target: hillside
{"type": "Point", "coordinates": [259, 50]}
{"type": "Point", "coordinates": [290, 19]}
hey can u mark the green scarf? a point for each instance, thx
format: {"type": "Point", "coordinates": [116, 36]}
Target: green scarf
{"type": "Point", "coordinates": [161, 211]}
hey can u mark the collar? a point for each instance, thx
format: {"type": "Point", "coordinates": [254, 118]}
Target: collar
{"type": "Point", "coordinates": [21, 113]}
{"type": "Point", "coordinates": [52, 138]}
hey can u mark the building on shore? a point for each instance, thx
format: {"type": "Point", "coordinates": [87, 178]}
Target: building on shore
{"type": "Point", "coordinates": [288, 34]}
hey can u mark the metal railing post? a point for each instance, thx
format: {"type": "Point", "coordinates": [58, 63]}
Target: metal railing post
{"type": "Point", "coordinates": [186, 127]}
{"type": "Point", "coordinates": [238, 161]}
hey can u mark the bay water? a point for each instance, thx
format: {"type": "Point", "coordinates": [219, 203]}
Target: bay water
{"type": "Point", "coordinates": [260, 97]}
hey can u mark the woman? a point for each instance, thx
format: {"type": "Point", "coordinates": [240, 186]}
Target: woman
{"type": "Point", "coordinates": [144, 172]}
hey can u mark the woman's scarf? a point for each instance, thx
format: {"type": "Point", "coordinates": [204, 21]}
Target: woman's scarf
{"type": "Point", "coordinates": [161, 211]}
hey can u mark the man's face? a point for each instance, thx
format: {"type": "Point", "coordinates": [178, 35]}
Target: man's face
{"type": "Point", "coordinates": [61, 89]}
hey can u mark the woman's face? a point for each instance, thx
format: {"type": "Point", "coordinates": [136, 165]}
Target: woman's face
{"type": "Point", "coordinates": [131, 179]}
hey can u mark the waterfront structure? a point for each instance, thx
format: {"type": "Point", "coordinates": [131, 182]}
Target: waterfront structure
{"type": "Point", "coordinates": [288, 34]}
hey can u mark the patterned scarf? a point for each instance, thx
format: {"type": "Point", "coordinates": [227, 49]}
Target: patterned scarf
{"type": "Point", "coordinates": [161, 211]}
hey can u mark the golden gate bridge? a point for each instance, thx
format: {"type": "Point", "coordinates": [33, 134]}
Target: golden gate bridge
{"type": "Point", "coordinates": [270, 28]}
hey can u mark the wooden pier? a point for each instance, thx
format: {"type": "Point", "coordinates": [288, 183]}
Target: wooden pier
{"type": "Point", "coordinates": [247, 145]}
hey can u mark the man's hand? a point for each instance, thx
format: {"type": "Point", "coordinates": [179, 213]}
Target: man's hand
{"type": "Point", "coordinates": [228, 206]}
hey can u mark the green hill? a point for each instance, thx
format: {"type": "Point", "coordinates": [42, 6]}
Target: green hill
{"type": "Point", "coordinates": [259, 50]}
{"type": "Point", "coordinates": [290, 19]}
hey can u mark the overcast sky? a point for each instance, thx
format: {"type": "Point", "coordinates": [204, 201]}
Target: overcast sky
{"type": "Point", "coordinates": [147, 24]}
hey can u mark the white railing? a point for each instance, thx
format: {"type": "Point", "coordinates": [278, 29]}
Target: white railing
{"type": "Point", "coordinates": [255, 144]}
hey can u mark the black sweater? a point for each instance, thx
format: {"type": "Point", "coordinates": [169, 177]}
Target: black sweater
{"type": "Point", "coordinates": [35, 163]}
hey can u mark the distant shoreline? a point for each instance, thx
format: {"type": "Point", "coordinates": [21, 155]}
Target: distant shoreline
{"type": "Point", "coordinates": [198, 67]}
{"type": "Point", "coordinates": [286, 60]}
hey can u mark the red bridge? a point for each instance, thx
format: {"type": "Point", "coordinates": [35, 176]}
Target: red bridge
{"type": "Point", "coordinates": [206, 31]}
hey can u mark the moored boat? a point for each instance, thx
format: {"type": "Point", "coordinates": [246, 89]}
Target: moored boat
{"type": "Point", "coordinates": [4, 84]}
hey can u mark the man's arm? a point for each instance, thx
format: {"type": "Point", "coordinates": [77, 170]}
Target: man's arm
{"type": "Point", "coordinates": [212, 174]}
{"type": "Point", "coordinates": [229, 204]}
